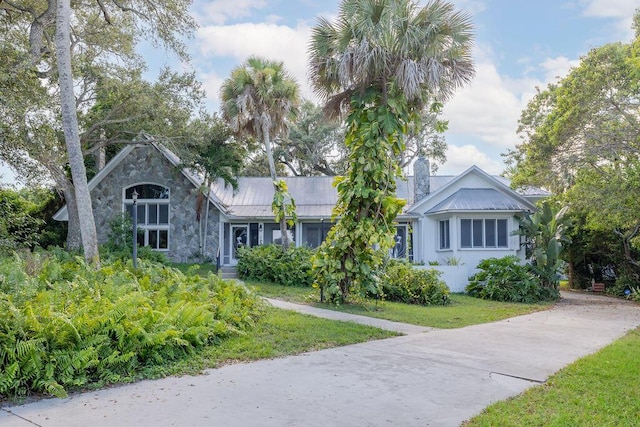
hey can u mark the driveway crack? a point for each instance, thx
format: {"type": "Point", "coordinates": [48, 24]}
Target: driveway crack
{"type": "Point", "coordinates": [22, 418]}
{"type": "Point", "coordinates": [517, 377]}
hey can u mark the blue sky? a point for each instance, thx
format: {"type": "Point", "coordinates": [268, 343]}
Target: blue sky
{"type": "Point", "coordinates": [519, 44]}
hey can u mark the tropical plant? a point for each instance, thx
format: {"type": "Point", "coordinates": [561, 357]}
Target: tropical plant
{"type": "Point", "coordinates": [384, 62]}
{"type": "Point", "coordinates": [258, 100]}
{"type": "Point", "coordinates": [505, 279]}
{"type": "Point", "coordinates": [215, 155]}
{"type": "Point", "coordinates": [283, 205]}
{"type": "Point", "coordinates": [545, 232]}
{"type": "Point", "coordinates": [65, 325]}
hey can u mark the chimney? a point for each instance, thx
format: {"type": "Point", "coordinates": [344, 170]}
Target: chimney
{"type": "Point", "coordinates": [421, 179]}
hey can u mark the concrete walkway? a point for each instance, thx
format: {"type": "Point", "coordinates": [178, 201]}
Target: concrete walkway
{"type": "Point", "coordinates": [437, 378]}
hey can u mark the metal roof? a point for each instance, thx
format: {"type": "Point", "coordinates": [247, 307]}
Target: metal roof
{"type": "Point", "coordinates": [476, 199]}
{"type": "Point", "coordinates": [315, 196]}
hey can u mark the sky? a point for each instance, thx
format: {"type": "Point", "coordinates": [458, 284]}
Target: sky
{"type": "Point", "coordinates": [519, 45]}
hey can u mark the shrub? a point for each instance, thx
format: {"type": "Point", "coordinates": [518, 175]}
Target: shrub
{"type": "Point", "coordinates": [623, 285]}
{"type": "Point", "coordinates": [403, 283]}
{"type": "Point", "coordinates": [64, 325]}
{"type": "Point", "coordinates": [504, 279]}
{"type": "Point", "coordinates": [120, 243]}
{"type": "Point", "coordinates": [271, 263]}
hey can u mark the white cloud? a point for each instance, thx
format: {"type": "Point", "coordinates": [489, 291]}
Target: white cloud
{"type": "Point", "coordinates": [619, 10]}
{"type": "Point", "coordinates": [461, 158]}
{"type": "Point", "coordinates": [219, 11]}
{"type": "Point", "coordinates": [277, 42]}
{"type": "Point", "coordinates": [211, 83]}
{"type": "Point", "coordinates": [488, 108]}
{"type": "Point", "coordinates": [558, 67]}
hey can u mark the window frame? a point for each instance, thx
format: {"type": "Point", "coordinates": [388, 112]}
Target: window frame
{"type": "Point", "coordinates": [477, 231]}
{"type": "Point", "coordinates": [146, 229]}
{"type": "Point", "coordinates": [444, 234]}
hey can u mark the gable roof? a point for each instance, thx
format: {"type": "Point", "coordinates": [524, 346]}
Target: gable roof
{"type": "Point", "coordinates": [478, 199]}
{"type": "Point", "coordinates": [143, 139]}
{"type": "Point", "coordinates": [499, 184]}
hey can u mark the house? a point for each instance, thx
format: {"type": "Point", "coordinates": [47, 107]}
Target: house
{"type": "Point", "coordinates": [447, 219]}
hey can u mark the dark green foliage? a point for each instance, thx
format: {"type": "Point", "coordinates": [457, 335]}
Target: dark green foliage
{"type": "Point", "coordinates": [402, 282]}
{"type": "Point", "coordinates": [272, 263]}
{"type": "Point", "coordinates": [624, 285]}
{"type": "Point", "coordinates": [504, 279]}
{"type": "Point", "coordinates": [25, 219]}
{"type": "Point", "coordinates": [65, 325]}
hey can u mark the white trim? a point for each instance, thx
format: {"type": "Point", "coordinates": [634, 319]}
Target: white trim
{"type": "Point", "coordinates": [415, 209]}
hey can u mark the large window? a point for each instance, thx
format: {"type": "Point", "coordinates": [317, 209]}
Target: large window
{"type": "Point", "coordinates": [444, 234]}
{"type": "Point", "coordinates": [483, 233]}
{"type": "Point", "coordinates": [153, 214]}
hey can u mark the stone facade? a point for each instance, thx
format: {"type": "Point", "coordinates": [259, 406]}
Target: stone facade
{"type": "Point", "coordinates": [145, 165]}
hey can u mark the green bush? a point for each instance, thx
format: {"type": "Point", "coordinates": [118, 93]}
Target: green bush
{"type": "Point", "coordinates": [271, 263]}
{"type": "Point", "coordinates": [504, 279]}
{"type": "Point", "coordinates": [64, 325]}
{"type": "Point", "coordinates": [120, 243]}
{"type": "Point", "coordinates": [401, 282]}
{"type": "Point", "coordinates": [624, 284]}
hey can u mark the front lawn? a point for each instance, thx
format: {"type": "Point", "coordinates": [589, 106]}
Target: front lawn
{"type": "Point", "coordinates": [279, 333]}
{"type": "Point", "coordinates": [463, 310]}
{"type": "Point", "coordinates": [598, 390]}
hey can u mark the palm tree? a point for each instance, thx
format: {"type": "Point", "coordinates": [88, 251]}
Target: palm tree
{"type": "Point", "coordinates": [391, 46]}
{"type": "Point", "coordinates": [258, 99]}
{"type": "Point", "coordinates": [383, 62]}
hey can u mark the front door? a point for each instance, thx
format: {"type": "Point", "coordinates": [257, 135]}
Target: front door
{"type": "Point", "coordinates": [239, 237]}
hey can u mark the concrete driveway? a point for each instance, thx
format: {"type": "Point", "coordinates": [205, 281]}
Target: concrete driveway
{"type": "Point", "coordinates": [426, 378]}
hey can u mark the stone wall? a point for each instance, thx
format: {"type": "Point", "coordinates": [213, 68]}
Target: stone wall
{"type": "Point", "coordinates": [421, 179]}
{"type": "Point", "coordinates": [146, 165]}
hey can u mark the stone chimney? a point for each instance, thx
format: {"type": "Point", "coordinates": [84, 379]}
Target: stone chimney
{"type": "Point", "coordinates": [421, 179]}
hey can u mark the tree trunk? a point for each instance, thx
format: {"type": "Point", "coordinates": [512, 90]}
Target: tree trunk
{"type": "Point", "coordinates": [72, 135]}
{"type": "Point", "coordinates": [74, 240]}
{"type": "Point", "coordinates": [206, 221]}
{"type": "Point", "coordinates": [274, 178]}
{"type": "Point", "coordinates": [100, 156]}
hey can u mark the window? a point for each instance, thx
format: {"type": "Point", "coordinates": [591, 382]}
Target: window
{"type": "Point", "coordinates": [153, 214]}
{"type": "Point", "coordinates": [444, 234]}
{"type": "Point", "coordinates": [483, 233]}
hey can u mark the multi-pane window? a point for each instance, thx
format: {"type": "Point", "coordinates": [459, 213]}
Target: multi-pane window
{"type": "Point", "coordinates": [483, 233]}
{"type": "Point", "coordinates": [444, 234]}
{"type": "Point", "coordinates": [153, 214]}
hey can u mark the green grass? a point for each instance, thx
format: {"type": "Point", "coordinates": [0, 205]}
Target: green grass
{"type": "Point", "coordinates": [463, 310]}
{"type": "Point", "coordinates": [279, 333]}
{"type": "Point", "coordinates": [598, 390]}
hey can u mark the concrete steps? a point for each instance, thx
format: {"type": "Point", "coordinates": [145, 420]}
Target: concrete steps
{"type": "Point", "coordinates": [229, 272]}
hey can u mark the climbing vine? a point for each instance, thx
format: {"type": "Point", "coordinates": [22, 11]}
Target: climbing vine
{"type": "Point", "coordinates": [367, 204]}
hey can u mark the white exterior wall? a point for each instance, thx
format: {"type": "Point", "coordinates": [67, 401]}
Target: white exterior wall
{"type": "Point", "coordinates": [470, 256]}
{"type": "Point", "coordinates": [427, 234]}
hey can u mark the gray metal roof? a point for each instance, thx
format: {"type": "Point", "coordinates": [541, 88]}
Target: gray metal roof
{"type": "Point", "coordinates": [475, 199]}
{"type": "Point", "coordinates": [315, 196]}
